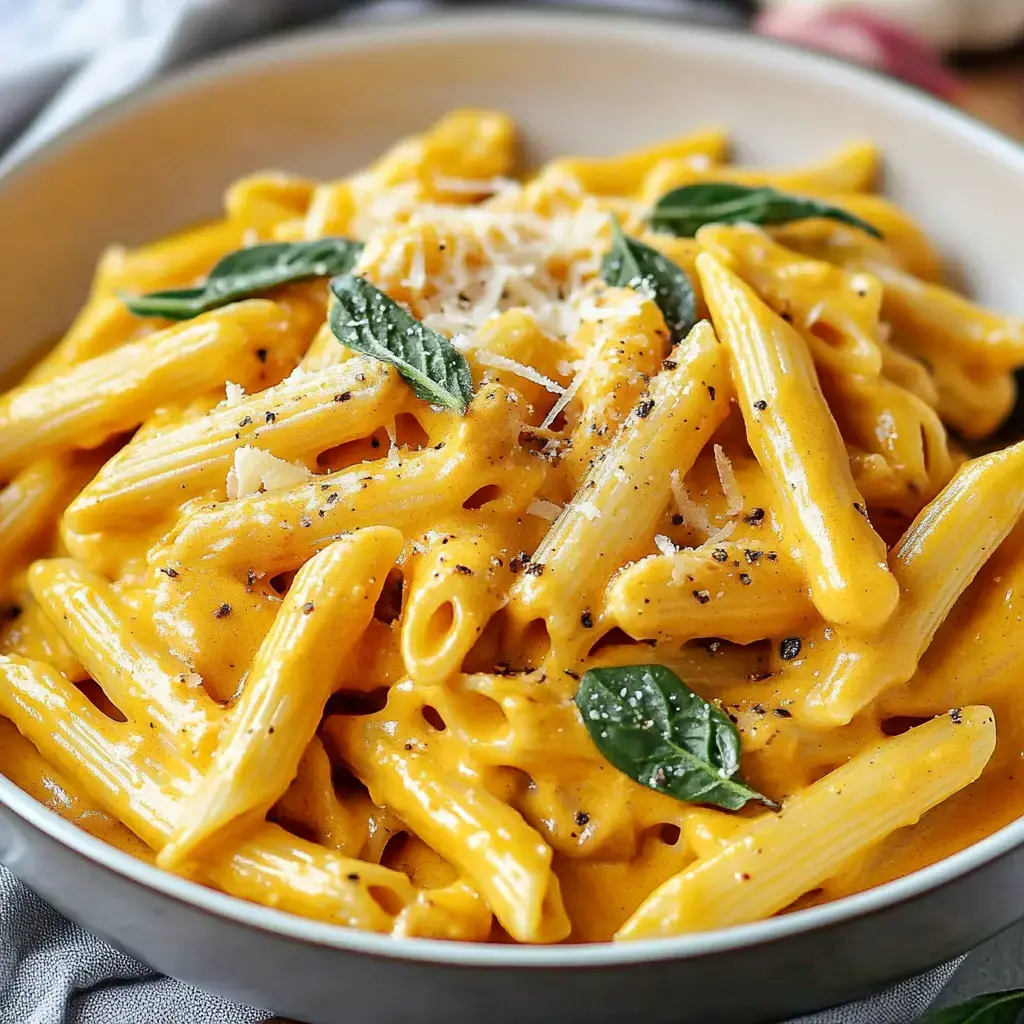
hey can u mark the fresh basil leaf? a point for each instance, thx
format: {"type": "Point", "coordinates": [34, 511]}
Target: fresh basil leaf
{"type": "Point", "coordinates": [631, 264]}
{"type": "Point", "coordinates": [248, 272]}
{"type": "Point", "coordinates": [650, 726]}
{"type": "Point", "coordinates": [998, 1008]}
{"type": "Point", "coordinates": [683, 210]}
{"type": "Point", "coordinates": [367, 320]}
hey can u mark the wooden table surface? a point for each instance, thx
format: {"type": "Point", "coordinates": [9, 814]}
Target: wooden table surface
{"type": "Point", "coordinates": [994, 90]}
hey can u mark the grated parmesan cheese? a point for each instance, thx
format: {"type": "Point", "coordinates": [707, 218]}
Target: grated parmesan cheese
{"type": "Point", "coordinates": [724, 533]}
{"type": "Point", "coordinates": [590, 510]}
{"type": "Point", "coordinates": [500, 362]}
{"type": "Point", "coordinates": [233, 393]}
{"type": "Point", "coordinates": [664, 545]}
{"type": "Point", "coordinates": [691, 512]}
{"type": "Point", "coordinates": [730, 488]}
{"type": "Point", "coordinates": [544, 509]}
{"type": "Point", "coordinates": [256, 470]}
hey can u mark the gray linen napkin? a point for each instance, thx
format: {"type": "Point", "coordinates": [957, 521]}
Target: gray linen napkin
{"type": "Point", "coordinates": [61, 59]}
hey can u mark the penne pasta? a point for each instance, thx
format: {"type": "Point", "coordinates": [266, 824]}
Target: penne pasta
{"type": "Point", "coordinates": [535, 560]}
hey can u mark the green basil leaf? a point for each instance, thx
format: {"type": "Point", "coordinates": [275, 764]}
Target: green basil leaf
{"type": "Point", "coordinates": [683, 210]}
{"type": "Point", "coordinates": [650, 726]}
{"type": "Point", "coordinates": [367, 320]}
{"type": "Point", "coordinates": [631, 264]}
{"type": "Point", "coordinates": [250, 271]}
{"type": "Point", "coordinates": [998, 1008]}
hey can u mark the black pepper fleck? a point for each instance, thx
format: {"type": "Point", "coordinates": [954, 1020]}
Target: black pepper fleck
{"type": "Point", "coordinates": [789, 648]}
{"type": "Point", "coordinates": [581, 818]}
{"type": "Point", "coordinates": [271, 416]}
{"type": "Point", "coordinates": [643, 410]}
{"type": "Point", "coordinates": [168, 571]}
{"type": "Point", "coordinates": [223, 611]}
{"type": "Point", "coordinates": [744, 579]}
{"type": "Point", "coordinates": [304, 520]}
{"type": "Point", "coordinates": [587, 621]}
{"type": "Point", "coordinates": [245, 421]}
{"type": "Point", "coordinates": [754, 516]}
{"type": "Point", "coordinates": [760, 405]}
{"type": "Point", "coordinates": [783, 713]}
{"type": "Point", "coordinates": [261, 354]}
{"type": "Point", "coordinates": [677, 520]}
{"type": "Point", "coordinates": [464, 569]}
{"type": "Point", "coordinates": [861, 509]}
{"type": "Point", "coordinates": [534, 568]}
{"type": "Point", "coordinates": [956, 716]}
{"type": "Point", "coordinates": [307, 608]}
{"type": "Point", "coordinates": [343, 397]}
{"type": "Point", "coordinates": [702, 595]}
{"type": "Point", "coordinates": [720, 555]}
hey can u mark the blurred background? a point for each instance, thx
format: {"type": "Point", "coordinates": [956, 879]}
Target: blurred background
{"type": "Point", "coordinates": [59, 58]}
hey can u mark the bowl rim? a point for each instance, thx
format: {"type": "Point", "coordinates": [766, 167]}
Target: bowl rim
{"type": "Point", "coordinates": [600, 26]}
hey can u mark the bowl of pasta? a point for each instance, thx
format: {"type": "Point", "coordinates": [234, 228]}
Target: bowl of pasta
{"type": "Point", "coordinates": [530, 546]}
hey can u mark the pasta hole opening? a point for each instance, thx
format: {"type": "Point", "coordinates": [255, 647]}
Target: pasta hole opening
{"type": "Point", "coordinates": [482, 496]}
{"type": "Point", "coordinates": [442, 622]}
{"type": "Point", "coordinates": [409, 433]}
{"type": "Point", "coordinates": [387, 899]}
{"type": "Point", "coordinates": [394, 849]}
{"type": "Point", "coordinates": [433, 718]}
{"type": "Point", "coordinates": [282, 582]}
{"type": "Point", "coordinates": [615, 637]}
{"type": "Point", "coordinates": [486, 650]}
{"type": "Point", "coordinates": [93, 693]}
{"type": "Point", "coordinates": [486, 714]}
{"type": "Point", "coordinates": [536, 643]}
{"type": "Point", "coordinates": [299, 829]}
{"type": "Point", "coordinates": [357, 703]}
{"type": "Point", "coordinates": [899, 724]}
{"type": "Point", "coordinates": [829, 334]}
{"type": "Point", "coordinates": [389, 605]}
{"type": "Point", "coordinates": [808, 899]}
{"type": "Point", "coordinates": [510, 784]}
{"type": "Point", "coordinates": [351, 453]}
{"type": "Point", "coordinates": [669, 833]}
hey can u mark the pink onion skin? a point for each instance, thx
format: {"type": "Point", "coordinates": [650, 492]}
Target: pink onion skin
{"type": "Point", "coordinates": [864, 38]}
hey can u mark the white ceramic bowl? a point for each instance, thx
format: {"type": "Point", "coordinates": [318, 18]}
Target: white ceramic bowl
{"type": "Point", "coordinates": [325, 103]}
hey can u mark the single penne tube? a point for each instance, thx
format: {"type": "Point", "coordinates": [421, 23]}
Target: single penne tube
{"type": "Point", "coordinates": [105, 323]}
{"type": "Point", "coordinates": [326, 610]}
{"type": "Point", "coordinates": [621, 347]}
{"type": "Point", "coordinates": [974, 656]}
{"type": "Point", "coordinates": [852, 169]}
{"type": "Point", "coordinates": [725, 590]}
{"type": "Point", "coordinates": [451, 591]}
{"type": "Point", "coordinates": [281, 530]}
{"type": "Point", "coordinates": [973, 402]}
{"type": "Point", "coordinates": [266, 198]}
{"type": "Point", "coordinates": [92, 401]}
{"type": "Point", "coordinates": [279, 870]}
{"type": "Point", "coordinates": [463, 144]}
{"type": "Point", "coordinates": [937, 321]}
{"type": "Point", "coordinates": [512, 344]}
{"type": "Point", "coordinates": [623, 175]}
{"type": "Point", "coordinates": [29, 508]}
{"type": "Point", "coordinates": [23, 765]}
{"type": "Point", "coordinates": [481, 836]}
{"type": "Point", "coordinates": [935, 561]}
{"type": "Point", "coordinates": [179, 259]}
{"type": "Point", "coordinates": [615, 511]}
{"type": "Point", "coordinates": [31, 635]}
{"type": "Point", "coordinates": [115, 762]}
{"type": "Point", "coordinates": [294, 420]}
{"type": "Point", "coordinates": [821, 828]}
{"type": "Point", "coordinates": [121, 652]}
{"type": "Point", "coordinates": [798, 445]}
